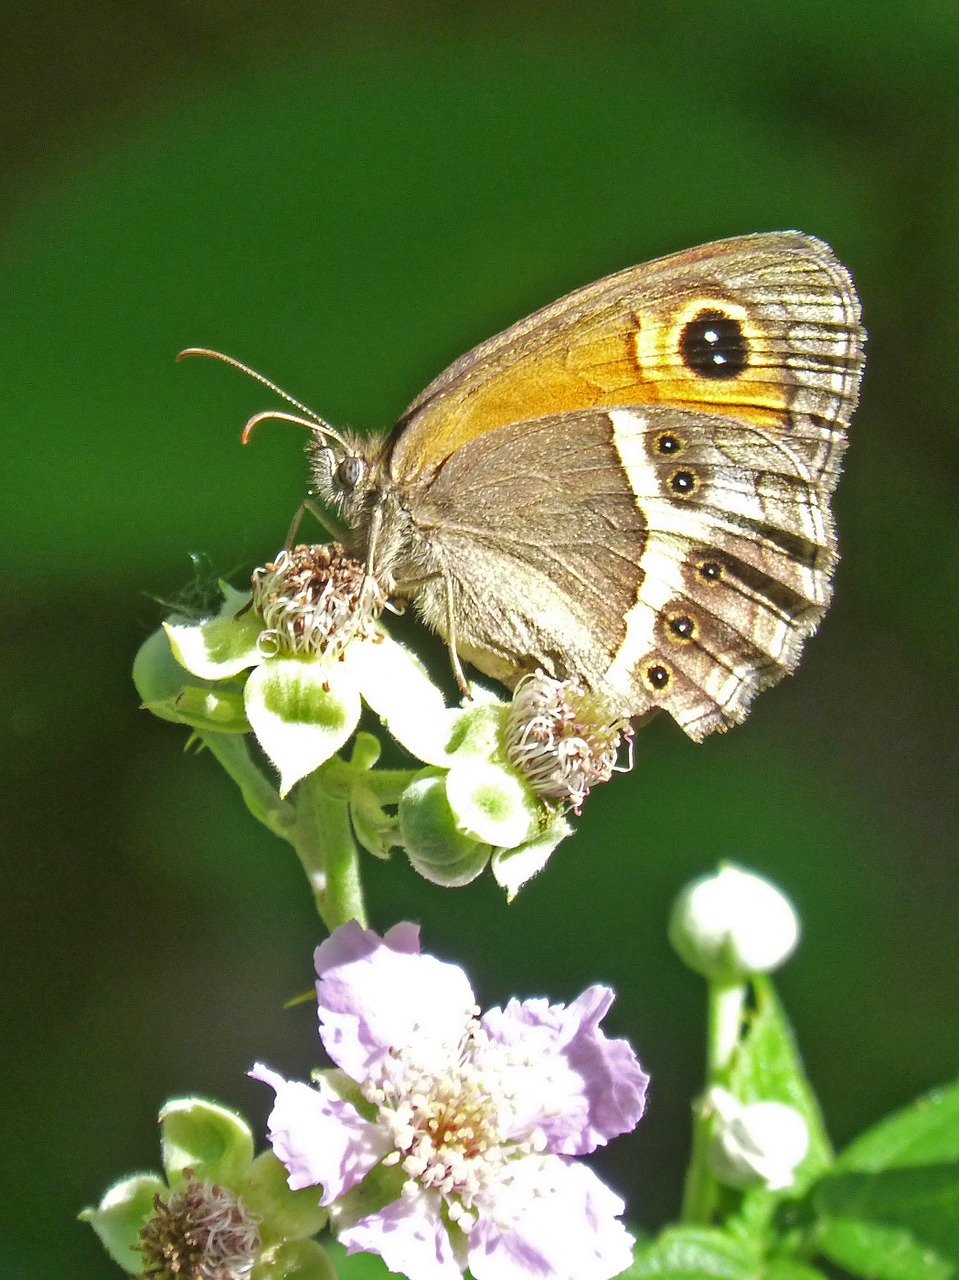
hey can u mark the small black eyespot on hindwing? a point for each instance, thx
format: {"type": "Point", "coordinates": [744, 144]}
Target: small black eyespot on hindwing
{"type": "Point", "coordinates": [657, 676]}
{"type": "Point", "coordinates": [713, 345]}
{"type": "Point", "coordinates": [669, 444]}
{"type": "Point", "coordinates": [681, 627]}
{"type": "Point", "coordinates": [683, 483]}
{"type": "Point", "coordinates": [710, 571]}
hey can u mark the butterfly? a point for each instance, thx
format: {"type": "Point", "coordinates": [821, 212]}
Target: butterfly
{"type": "Point", "coordinates": [631, 486]}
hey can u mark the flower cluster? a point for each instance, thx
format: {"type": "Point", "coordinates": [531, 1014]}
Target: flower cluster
{"type": "Point", "coordinates": [446, 1139]}
{"type": "Point", "coordinates": [294, 660]}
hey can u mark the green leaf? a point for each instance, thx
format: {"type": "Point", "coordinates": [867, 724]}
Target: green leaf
{"type": "Point", "coordinates": [889, 1210]}
{"type": "Point", "coordinates": [768, 1068]}
{"type": "Point", "coordinates": [695, 1253]}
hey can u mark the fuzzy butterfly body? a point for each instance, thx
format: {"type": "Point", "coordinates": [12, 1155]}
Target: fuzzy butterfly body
{"type": "Point", "coordinates": [632, 485]}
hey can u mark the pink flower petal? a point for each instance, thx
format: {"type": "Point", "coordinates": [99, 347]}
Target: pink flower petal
{"type": "Point", "coordinates": [376, 996]}
{"type": "Point", "coordinates": [564, 1227]}
{"type": "Point", "coordinates": [322, 1140]}
{"type": "Point", "coordinates": [409, 1236]}
{"type": "Point", "coordinates": [597, 1087]}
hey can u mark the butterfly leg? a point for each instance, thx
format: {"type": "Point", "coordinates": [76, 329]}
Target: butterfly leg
{"type": "Point", "coordinates": [451, 640]}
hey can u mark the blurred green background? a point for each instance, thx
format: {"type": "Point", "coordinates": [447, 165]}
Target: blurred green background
{"type": "Point", "coordinates": [348, 196]}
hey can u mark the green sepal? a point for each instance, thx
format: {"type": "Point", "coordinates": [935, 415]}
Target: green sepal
{"type": "Point", "coordinates": [434, 843]}
{"type": "Point", "coordinates": [282, 1214]}
{"type": "Point", "coordinates": [171, 693]}
{"type": "Point", "coordinates": [121, 1215]}
{"type": "Point", "coordinates": [295, 1260]}
{"type": "Point", "coordinates": [302, 711]}
{"type": "Point", "coordinates": [375, 830]}
{"type": "Point", "coordinates": [212, 1141]}
{"type": "Point", "coordinates": [222, 646]}
{"type": "Point", "coordinates": [513, 867]}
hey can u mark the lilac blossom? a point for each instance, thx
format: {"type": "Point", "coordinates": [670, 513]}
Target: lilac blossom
{"type": "Point", "coordinates": [446, 1139]}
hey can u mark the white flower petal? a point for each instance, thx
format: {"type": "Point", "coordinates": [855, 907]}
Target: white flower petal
{"type": "Point", "coordinates": [302, 710]}
{"type": "Point", "coordinates": [491, 803]}
{"type": "Point", "coordinates": [220, 647]}
{"type": "Point", "coordinates": [397, 687]}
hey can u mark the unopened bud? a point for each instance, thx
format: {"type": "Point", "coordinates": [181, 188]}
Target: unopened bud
{"type": "Point", "coordinates": [732, 924]}
{"type": "Point", "coordinates": [755, 1143]}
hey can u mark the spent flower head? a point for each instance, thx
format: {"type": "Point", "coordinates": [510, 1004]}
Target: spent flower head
{"type": "Point", "coordinates": [445, 1139]}
{"type": "Point", "coordinates": [563, 738]}
{"type": "Point", "coordinates": [293, 660]}
{"type": "Point", "coordinates": [216, 1213]}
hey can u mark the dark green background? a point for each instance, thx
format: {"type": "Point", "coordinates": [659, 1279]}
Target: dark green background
{"type": "Point", "coordinates": [349, 197]}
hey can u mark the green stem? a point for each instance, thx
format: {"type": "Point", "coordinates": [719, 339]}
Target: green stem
{"type": "Point", "coordinates": [317, 824]}
{"type": "Point", "coordinates": [259, 794]}
{"type": "Point", "coordinates": [323, 839]}
{"type": "Point", "coordinates": [723, 1032]}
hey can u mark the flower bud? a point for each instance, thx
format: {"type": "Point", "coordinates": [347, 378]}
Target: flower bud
{"type": "Point", "coordinates": [756, 1143]}
{"type": "Point", "coordinates": [733, 923]}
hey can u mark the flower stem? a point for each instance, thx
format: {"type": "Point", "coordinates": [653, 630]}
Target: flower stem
{"type": "Point", "coordinates": [723, 1031]}
{"type": "Point", "coordinates": [323, 839]}
{"type": "Point", "coordinates": [259, 795]}
{"type": "Point", "coordinates": [317, 825]}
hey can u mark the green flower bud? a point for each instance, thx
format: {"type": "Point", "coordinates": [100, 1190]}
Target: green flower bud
{"type": "Point", "coordinates": [435, 844]}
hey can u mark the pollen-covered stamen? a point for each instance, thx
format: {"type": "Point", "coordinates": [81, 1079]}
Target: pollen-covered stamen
{"type": "Point", "coordinates": [453, 1128]}
{"type": "Point", "coordinates": [313, 599]}
{"type": "Point", "coordinates": [200, 1231]}
{"type": "Point", "coordinates": [563, 738]}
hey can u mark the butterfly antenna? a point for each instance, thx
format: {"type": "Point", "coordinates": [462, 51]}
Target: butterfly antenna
{"type": "Point", "coordinates": [312, 421]}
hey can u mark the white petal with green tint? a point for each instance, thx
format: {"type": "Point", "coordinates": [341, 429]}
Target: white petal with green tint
{"type": "Point", "coordinates": [513, 867]}
{"type": "Point", "coordinates": [220, 647]}
{"type": "Point", "coordinates": [396, 686]}
{"type": "Point", "coordinates": [491, 803]}
{"type": "Point", "coordinates": [302, 710]}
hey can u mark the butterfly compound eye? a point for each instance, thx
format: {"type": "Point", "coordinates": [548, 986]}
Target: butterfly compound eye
{"type": "Point", "coordinates": [348, 473]}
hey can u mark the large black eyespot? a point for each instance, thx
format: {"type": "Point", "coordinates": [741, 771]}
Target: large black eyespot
{"type": "Point", "coordinates": [713, 345]}
{"type": "Point", "coordinates": [348, 473]}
